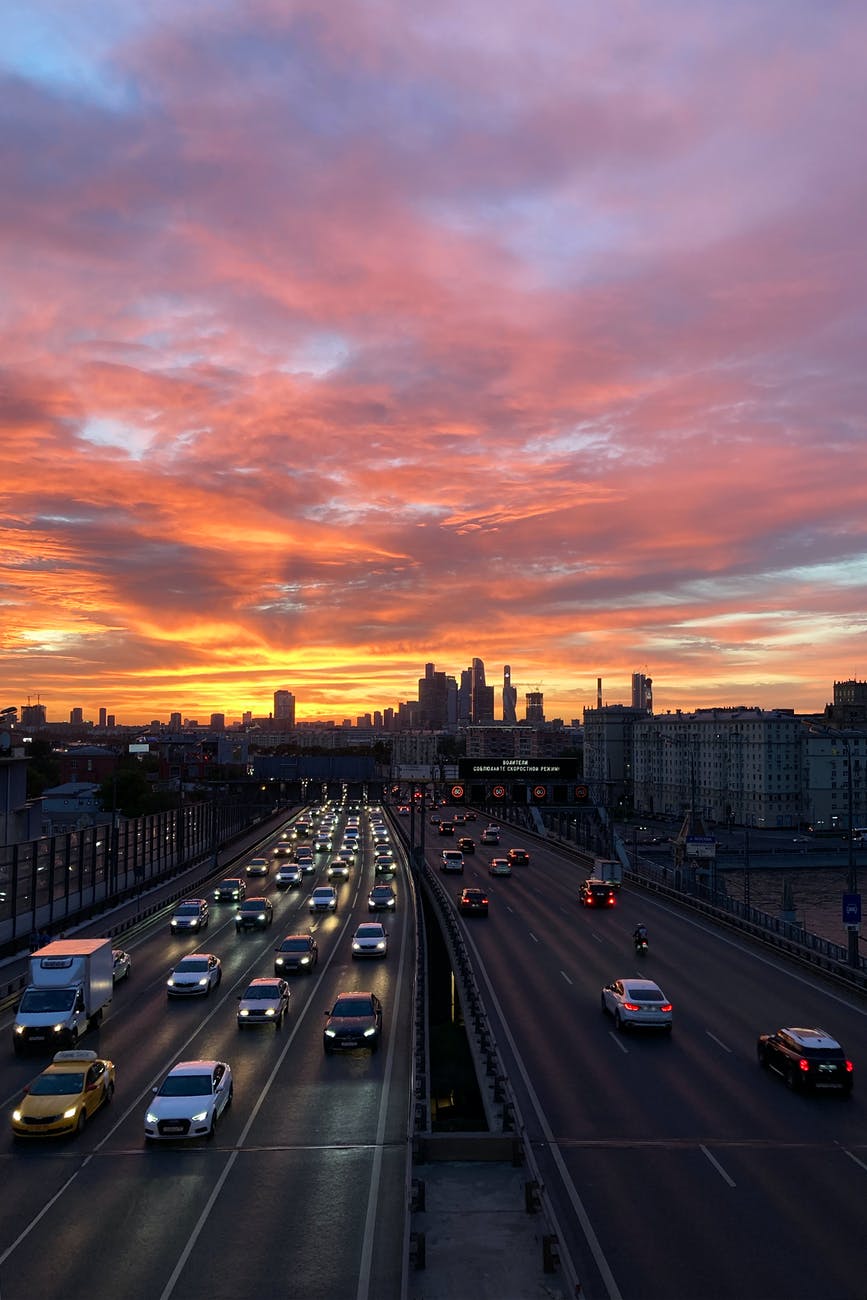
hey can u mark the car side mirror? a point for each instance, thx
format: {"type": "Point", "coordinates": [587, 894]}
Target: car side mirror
{"type": "Point", "coordinates": [154, 1090]}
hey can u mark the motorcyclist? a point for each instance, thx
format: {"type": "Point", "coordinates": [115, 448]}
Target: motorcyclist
{"type": "Point", "coordinates": [639, 935]}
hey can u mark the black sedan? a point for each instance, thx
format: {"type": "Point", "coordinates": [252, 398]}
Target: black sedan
{"type": "Point", "coordinates": [807, 1059]}
{"type": "Point", "coordinates": [254, 914]}
{"type": "Point", "coordinates": [297, 952]}
{"type": "Point", "coordinates": [355, 1020]}
{"type": "Point", "coordinates": [473, 902]}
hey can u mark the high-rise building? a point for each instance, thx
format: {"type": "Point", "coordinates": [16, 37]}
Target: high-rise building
{"type": "Point", "coordinates": [284, 709]}
{"type": "Point", "coordinates": [510, 697]}
{"type": "Point", "coordinates": [33, 715]}
{"type": "Point", "coordinates": [102, 717]}
{"type": "Point", "coordinates": [642, 692]}
{"type": "Point", "coordinates": [481, 695]}
{"type": "Point", "coordinates": [535, 708]}
{"type": "Point", "coordinates": [433, 699]}
{"type": "Point", "coordinates": [76, 717]}
{"type": "Point", "coordinates": [174, 722]}
{"type": "Point", "coordinates": [218, 722]}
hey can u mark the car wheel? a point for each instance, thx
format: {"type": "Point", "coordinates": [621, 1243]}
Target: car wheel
{"type": "Point", "coordinates": [82, 1120]}
{"type": "Point", "coordinates": [603, 1006]}
{"type": "Point", "coordinates": [762, 1058]}
{"type": "Point", "coordinates": [109, 1093]}
{"type": "Point", "coordinates": [619, 1023]}
{"type": "Point", "coordinates": [219, 978]}
{"type": "Point", "coordinates": [791, 1078]}
{"type": "Point", "coordinates": [208, 988]}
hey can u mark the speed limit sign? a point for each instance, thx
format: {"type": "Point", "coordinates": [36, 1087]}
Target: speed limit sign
{"type": "Point", "coordinates": [457, 792]}
{"type": "Point", "coordinates": [540, 792]}
{"type": "Point", "coordinates": [499, 792]}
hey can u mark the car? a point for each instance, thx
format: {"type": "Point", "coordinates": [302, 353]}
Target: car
{"type": "Point", "coordinates": [297, 952]}
{"type": "Point", "coordinates": [321, 843]}
{"type": "Point", "coordinates": [188, 1103]}
{"type": "Point", "coordinates": [264, 1002]}
{"type": "Point", "coordinates": [808, 1059]}
{"type": "Point", "coordinates": [283, 848]}
{"type": "Point", "coordinates": [434, 819]}
{"type": "Point", "coordinates": [469, 817]}
{"type": "Point", "coordinates": [304, 860]}
{"type": "Point", "coordinates": [121, 965]}
{"type": "Point", "coordinates": [490, 835]}
{"type": "Point", "coordinates": [381, 898]}
{"type": "Point", "coordinates": [323, 899]}
{"type": "Point", "coordinates": [467, 844]}
{"type": "Point", "coordinates": [351, 833]}
{"type": "Point", "coordinates": [351, 847]}
{"type": "Point", "coordinates": [254, 914]}
{"type": "Point", "coordinates": [637, 1003]}
{"type": "Point", "coordinates": [338, 869]}
{"type": "Point", "coordinates": [370, 940]}
{"type": "Point", "coordinates": [191, 914]}
{"type": "Point", "coordinates": [597, 893]}
{"type": "Point", "coordinates": [452, 860]}
{"type": "Point", "coordinates": [289, 876]}
{"type": "Point", "coordinates": [65, 1095]}
{"type": "Point", "coordinates": [231, 890]}
{"type": "Point", "coordinates": [500, 867]}
{"type": "Point", "coordinates": [355, 1020]}
{"type": "Point", "coordinates": [447, 828]}
{"type": "Point", "coordinates": [301, 830]}
{"type": "Point", "coordinates": [519, 857]}
{"type": "Point", "coordinates": [194, 976]}
{"type": "Point", "coordinates": [257, 867]}
{"type": "Point", "coordinates": [384, 866]}
{"type": "Point", "coordinates": [473, 902]}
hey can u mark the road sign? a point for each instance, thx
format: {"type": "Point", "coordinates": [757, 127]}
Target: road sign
{"type": "Point", "coordinates": [499, 792]}
{"type": "Point", "coordinates": [851, 909]}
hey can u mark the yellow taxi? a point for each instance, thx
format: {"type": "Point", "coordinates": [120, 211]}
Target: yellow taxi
{"type": "Point", "coordinates": [63, 1097]}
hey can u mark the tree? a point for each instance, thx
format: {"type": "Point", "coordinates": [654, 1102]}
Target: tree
{"type": "Point", "coordinates": [43, 769]}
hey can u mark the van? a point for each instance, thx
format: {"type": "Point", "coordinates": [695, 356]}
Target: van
{"type": "Point", "coordinates": [453, 860]}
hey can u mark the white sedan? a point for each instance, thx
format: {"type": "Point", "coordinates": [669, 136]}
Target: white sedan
{"type": "Point", "coordinates": [194, 976]}
{"type": "Point", "coordinates": [637, 1002]}
{"type": "Point", "coordinates": [370, 940]}
{"type": "Point", "coordinates": [189, 1101]}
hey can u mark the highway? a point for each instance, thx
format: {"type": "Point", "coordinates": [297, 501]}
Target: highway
{"type": "Point", "coordinates": [304, 1188]}
{"type": "Point", "coordinates": [676, 1167]}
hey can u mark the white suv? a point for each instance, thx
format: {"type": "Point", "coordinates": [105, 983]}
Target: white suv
{"type": "Point", "coordinates": [453, 860]}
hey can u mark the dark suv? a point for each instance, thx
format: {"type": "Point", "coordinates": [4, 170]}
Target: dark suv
{"type": "Point", "coordinates": [230, 891]}
{"type": "Point", "coordinates": [254, 914]}
{"type": "Point", "coordinates": [355, 1020]}
{"type": "Point", "coordinates": [596, 893]}
{"type": "Point", "coordinates": [807, 1058]}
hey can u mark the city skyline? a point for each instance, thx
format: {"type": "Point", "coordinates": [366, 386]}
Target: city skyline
{"type": "Point", "coordinates": [342, 339]}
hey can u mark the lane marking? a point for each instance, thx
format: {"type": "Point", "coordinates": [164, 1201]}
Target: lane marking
{"type": "Point", "coordinates": [717, 1166]}
{"type": "Point", "coordinates": [845, 1153]}
{"type": "Point", "coordinates": [618, 1039]}
{"type": "Point", "coordinates": [566, 977]}
{"type": "Point", "coordinates": [532, 936]}
{"type": "Point", "coordinates": [718, 1041]}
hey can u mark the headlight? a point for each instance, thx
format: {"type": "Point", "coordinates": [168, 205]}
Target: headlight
{"type": "Point", "coordinates": [331, 1033]}
{"type": "Point", "coordinates": [203, 982]}
{"type": "Point", "coordinates": [69, 1114]}
{"type": "Point", "coordinates": [356, 946]}
{"type": "Point", "coordinates": [380, 946]}
{"type": "Point", "coordinates": [269, 1011]}
{"type": "Point", "coordinates": [16, 1115]}
{"type": "Point", "coordinates": [368, 1033]}
{"type": "Point", "coordinates": [150, 1118]}
{"type": "Point", "coordinates": [237, 916]}
{"type": "Point", "coordinates": [58, 1029]}
{"type": "Point", "coordinates": [19, 1029]}
{"type": "Point", "coordinates": [170, 983]}
{"type": "Point", "coordinates": [243, 1012]}
{"type": "Point", "coordinates": [200, 1118]}
{"type": "Point", "coordinates": [279, 961]}
{"type": "Point", "coordinates": [261, 916]}
{"type": "Point", "coordinates": [305, 961]}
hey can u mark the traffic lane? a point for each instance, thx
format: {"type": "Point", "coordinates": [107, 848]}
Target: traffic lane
{"type": "Point", "coordinates": [725, 1222]}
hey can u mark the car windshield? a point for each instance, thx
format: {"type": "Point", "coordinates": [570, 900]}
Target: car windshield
{"type": "Point", "coordinates": [191, 966]}
{"type": "Point", "coordinates": [57, 1085]}
{"type": "Point", "coordinates": [353, 1007]}
{"type": "Point", "coordinates": [186, 1085]}
{"type": "Point", "coordinates": [252, 905]}
{"type": "Point", "coordinates": [645, 995]}
{"type": "Point", "coordinates": [322, 893]}
{"type": "Point", "coordinates": [188, 909]}
{"type": "Point", "coordinates": [47, 1000]}
{"type": "Point", "coordinates": [369, 932]}
{"type": "Point", "coordinates": [295, 945]}
{"type": "Point", "coordinates": [262, 993]}
{"type": "Point", "coordinates": [230, 884]}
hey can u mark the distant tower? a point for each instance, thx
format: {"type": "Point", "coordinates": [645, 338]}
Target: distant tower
{"type": "Point", "coordinates": [284, 709]}
{"type": "Point", "coordinates": [481, 695]}
{"type": "Point", "coordinates": [535, 706]}
{"type": "Point", "coordinates": [510, 697]}
{"type": "Point", "coordinates": [642, 692]}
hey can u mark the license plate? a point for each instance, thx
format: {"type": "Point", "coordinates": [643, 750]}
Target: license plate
{"type": "Point", "coordinates": [173, 1128]}
{"type": "Point", "coordinates": [36, 1038]}
{"type": "Point", "coordinates": [827, 1069]}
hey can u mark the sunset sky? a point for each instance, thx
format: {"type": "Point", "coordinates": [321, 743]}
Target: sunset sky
{"type": "Point", "coordinates": [340, 336]}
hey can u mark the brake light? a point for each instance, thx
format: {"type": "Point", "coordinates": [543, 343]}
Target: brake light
{"type": "Point", "coordinates": [631, 1006]}
{"type": "Point", "coordinates": [849, 1067]}
{"type": "Point", "coordinates": [803, 1064]}
{"type": "Point", "coordinates": [666, 1006]}
{"type": "Point", "coordinates": [611, 900]}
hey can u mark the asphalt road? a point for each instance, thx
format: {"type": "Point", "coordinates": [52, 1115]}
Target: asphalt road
{"type": "Point", "coordinates": [677, 1169]}
{"type": "Point", "coordinates": [304, 1189]}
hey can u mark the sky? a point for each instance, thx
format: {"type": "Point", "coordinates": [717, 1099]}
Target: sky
{"type": "Point", "coordinates": [340, 338]}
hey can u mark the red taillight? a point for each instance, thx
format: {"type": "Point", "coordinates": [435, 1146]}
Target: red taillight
{"type": "Point", "coordinates": [631, 1006]}
{"type": "Point", "coordinates": [803, 1064]}
{"type": "Point", "coordinates": [849, 1067]}
{"type": "Point", "coordinates": [611, 900]}
{"type": "Point", "coordinates": [666, 1006]}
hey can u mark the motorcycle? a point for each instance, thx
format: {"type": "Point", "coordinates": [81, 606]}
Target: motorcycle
{"type": "Point", "coordinates": [641, 947]}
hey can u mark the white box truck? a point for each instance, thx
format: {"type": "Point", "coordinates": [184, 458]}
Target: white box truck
{"type": "Point", "coordinates": [609, 870]}
{"type": "Point", "coordinates": [71, 983]}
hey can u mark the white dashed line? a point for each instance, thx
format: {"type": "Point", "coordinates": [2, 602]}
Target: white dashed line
{"type": "Point", "coordinates": [718, 1041]}
{"type": "Point", "coordinates": [566, 977]}
{"type": "Point", "coordinates": [718, 1167]}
